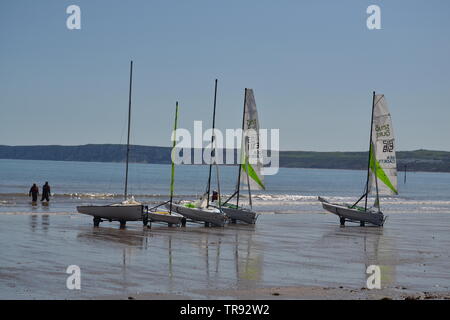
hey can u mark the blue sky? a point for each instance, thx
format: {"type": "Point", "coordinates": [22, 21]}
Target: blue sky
{"type": "Point", "coordinates": [312, 65]}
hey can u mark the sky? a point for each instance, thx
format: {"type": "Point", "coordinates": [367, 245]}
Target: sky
{"type": "Point", "coordinates": [312, 64]}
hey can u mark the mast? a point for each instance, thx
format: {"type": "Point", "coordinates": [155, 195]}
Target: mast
{"type": "Point", "coordinates": [172, 179]}
{"type": "Point", "coordinates": [212, 144]}
{"type": "Point", "coordinates": [240, 161]}
{"type": "Point", "coordinates": [128, 139]}
{"type": "Point", "coordinates": [370, 152]}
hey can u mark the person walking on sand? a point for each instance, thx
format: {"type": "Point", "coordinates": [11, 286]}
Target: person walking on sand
{"type": "Point", "coordinates": [34, 192]}
{"type": "Point", "coordinates": [46, 192]}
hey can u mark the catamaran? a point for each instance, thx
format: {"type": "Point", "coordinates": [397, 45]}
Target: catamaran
{"type": "Point", "coordinates": [201, 210]}
{"type": "Point", "coordinates": [381, 170]}
{"type": "Point", "coordinates": [250, 172]}
{"type": "Point", "coordinates": [127, 210]}
{"type": "Point", "coordinates": [168, 216]}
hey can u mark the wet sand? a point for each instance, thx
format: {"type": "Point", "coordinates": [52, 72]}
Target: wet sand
{"type": "Point", "coordinates": [284, 256]}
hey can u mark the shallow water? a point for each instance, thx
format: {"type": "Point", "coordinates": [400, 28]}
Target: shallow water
{"type": "Point", "coordinates": [280, 250]}
{"type": "Point", "coordinates": [292, 190]}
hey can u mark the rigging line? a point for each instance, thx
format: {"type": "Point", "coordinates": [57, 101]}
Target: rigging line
{"type": "Point", "coordinates": [129, 124]}
{"type": "Point", "coordinates": [370, 151]}
{"type": "Point", "coordinates": [212, 144]}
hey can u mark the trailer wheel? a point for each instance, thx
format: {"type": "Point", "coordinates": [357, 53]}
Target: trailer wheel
{"type": "Point", "coordinates": [97, 221]}
{"type": "Point", "coordinates": [342, 221]}
{"type": "Point", "coordinates": [362, 223]}
{"type": "Point", "coordinates": [233, 221]}
{"type": "Point", "coordinates": [145, 220]}
{"type": "Point", "coordinates": [122, 223]}
{"type": "Point", "coordinates": [183, 222]}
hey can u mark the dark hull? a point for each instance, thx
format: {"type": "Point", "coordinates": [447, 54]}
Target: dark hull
{"type": "Point", "coordinates": [353, 215]}
{"type": "Point", "coordinates": [241, 214]}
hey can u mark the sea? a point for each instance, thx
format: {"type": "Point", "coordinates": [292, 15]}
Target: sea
{"type": "Point", "coordinates": [291, 190]}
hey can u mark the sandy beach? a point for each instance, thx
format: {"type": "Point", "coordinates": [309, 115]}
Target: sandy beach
{"type": "Point", "coordinates": [284, 256]}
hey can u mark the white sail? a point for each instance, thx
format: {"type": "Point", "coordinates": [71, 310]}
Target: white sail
{"type": "Point", "coordinates": [252, 165]}
{"type": "Point", "coordinates": [383, 162]}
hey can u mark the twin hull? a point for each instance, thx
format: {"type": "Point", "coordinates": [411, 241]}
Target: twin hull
{"type": "Point", "coordinates": [197, 214]}
{"type": "Point", "coordinates": [114, 212]}
{"type": "Point", "coordinates": [376, 218]}
{"type": "Point", "coordinates": [244, 215]}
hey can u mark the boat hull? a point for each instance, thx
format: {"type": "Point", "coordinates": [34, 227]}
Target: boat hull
{"type": "Point", "coordinates": [354, 215]}
{"type": "Point", "coordinates": [114, 212]}
{"type": "Point", "coordinates": [213, 217]}
{"type": "Point", "coordinates": [165, 217]}
{"type": "Point", "coordinates": [241, 214]}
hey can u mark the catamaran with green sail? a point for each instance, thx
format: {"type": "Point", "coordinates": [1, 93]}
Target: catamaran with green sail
{"type": "Point", "coordinates": [250, 166]}
{"type": "Point", "coordinates": [381, 170]}
{"type": "Point", "coordinates": [158, 214]}
{"type": "Point", "coordinates": [202, 210]}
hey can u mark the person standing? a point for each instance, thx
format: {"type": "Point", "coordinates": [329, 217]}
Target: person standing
{"type": "Point", "coordinates": [46, 192]}
{"type": "Point", "coordinates": [34, 192]}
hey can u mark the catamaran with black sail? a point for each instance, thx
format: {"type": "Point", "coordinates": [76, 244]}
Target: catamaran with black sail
{"type": "Point", "coordinates": [201, 210]}
{"type": "Point", "coordinates": [250, 165]}
{"type": "Point", "coordinates": [127, 210]}
{"type": "Point", "coordinates": [381, 170]}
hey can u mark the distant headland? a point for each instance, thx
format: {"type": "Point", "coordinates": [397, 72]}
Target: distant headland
{"type": "Point", "coordinates": [418, 160]}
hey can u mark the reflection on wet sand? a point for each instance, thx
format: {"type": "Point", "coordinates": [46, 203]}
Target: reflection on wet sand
{"type": "Point", "coordinates": [214, 247]}
{"type": "Point", "coordinates": [45, 222]}
{"type": "Point", "coordinates": [374, 247]}
{"type": "Point", "coordinates": [126, 237]}
{"type": "Point", "coordinates": [248, 263]}
{"type": "Point", "coordinates": [280, 251]}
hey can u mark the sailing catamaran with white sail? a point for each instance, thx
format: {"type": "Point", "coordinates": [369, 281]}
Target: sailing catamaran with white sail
{"type": "Point", "coordinates": [201, 210]}
{"type": "Point", "coordinates": [127, 210]}
{"type": "Point", "coordinates": [381, 170]}
{"type": "Point", "coordinates": [250, 167]}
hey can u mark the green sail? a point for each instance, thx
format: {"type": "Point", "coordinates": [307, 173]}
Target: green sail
{"type": "Point", "coordinates": [382, 176]}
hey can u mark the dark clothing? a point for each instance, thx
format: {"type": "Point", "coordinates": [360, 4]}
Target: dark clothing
{"type": "Point", "coordinates": [34, 191]}
{"type": "Point", "coordinates": [46, 192]}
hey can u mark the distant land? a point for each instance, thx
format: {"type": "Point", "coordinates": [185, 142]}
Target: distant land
{"type": "Point", "coordinates": [419, 160]}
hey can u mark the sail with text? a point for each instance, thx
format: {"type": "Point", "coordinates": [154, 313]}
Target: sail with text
{"type": "Point", "coordinates": [383, 162]}
{"type": "Point", "coordinates": [252, 165]}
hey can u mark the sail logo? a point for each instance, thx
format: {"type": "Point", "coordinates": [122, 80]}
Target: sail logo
{"type": "Point", "coordinates": [388, 145]}
{"type": "Point", "coordinates": [388, 160]}
{"type": "Point", "coordinates": [383, 130]}
{"type": "Point", "coordinates": [260, 147]}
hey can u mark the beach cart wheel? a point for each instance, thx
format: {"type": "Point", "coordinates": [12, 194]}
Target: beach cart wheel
{"type": "Point", "coordinates": [342, 221]}
{"type": "Point", "coordinates": [97, 221]}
